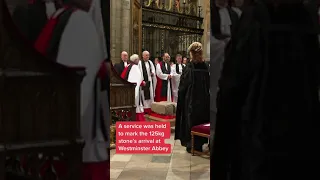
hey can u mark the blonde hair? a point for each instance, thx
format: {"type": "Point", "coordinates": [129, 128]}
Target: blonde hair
{"type": "Point", "coordinates": [196, 51]}
{"type": "Point", "coordinates": [134, 57]}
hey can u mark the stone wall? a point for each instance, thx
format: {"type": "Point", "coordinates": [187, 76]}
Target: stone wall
{"type": "Point", "coordinates": [120, 28]}
{"type": "Point", "coordinates": [206, 26]}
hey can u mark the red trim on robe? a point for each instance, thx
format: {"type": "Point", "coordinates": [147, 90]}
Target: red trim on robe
{"type": "Point", "coordinates": [103, 71]}
{"type": "Point", "coordinates": [158, 97]}
{"type": "Point", "coordinates": [124, 72]}
{"type": "Point", "coordinates": [140, 117]}
{"type": "Point", "coordinates": [96, 171]}
{"type": "Point", "coordinates": [91, 171]}
{"type": "Point", "coordinates": [166, 117]}
{"type": "Point", "coordinates": [43, 40]}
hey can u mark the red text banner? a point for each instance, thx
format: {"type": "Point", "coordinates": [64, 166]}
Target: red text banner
{"type": "Point", "coordinates": [142, 137]}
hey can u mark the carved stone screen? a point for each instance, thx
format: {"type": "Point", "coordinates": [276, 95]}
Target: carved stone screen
{"type": "Point", "coordinates": [136, 28]}
{"type": "Point", "coordinates": [170, 26]}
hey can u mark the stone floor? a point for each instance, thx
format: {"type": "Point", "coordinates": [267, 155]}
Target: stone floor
{"type": "Point", "coordinates": [179, 165]}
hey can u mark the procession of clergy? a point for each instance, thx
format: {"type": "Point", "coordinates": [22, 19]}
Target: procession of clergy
{"type": "Point", "coordinates": [156, 81]}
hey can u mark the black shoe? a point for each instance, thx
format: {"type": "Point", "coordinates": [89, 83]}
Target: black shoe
{"type": "Point", "coordinates": [196, 149]}
{"type": "Point", "coordinates": [188, 150]}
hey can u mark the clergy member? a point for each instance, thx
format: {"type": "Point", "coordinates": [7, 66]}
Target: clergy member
{"type": "Point", "coordinates": [80, 45]}
{"type": "Point", "coordinates": [90, 53]}
{"type": "Point", "coordinates": [133, 74]}
{"type": "Point", "coordinates": [149, 77]}
{"type": "Point", "coordinates": [119, 67]}
{"type": "Point", "coordinates": [156, 61]}
{"type": "Point", "coordinates": [176, 70]}
{"type": "Point", "coordinates": [185, 61]}
{"type": "Point", "coordinates": [164, 86]}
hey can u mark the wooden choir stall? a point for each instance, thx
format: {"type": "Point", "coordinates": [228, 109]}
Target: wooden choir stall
{"type": "Point", "coordinates": [39, 110]}
{"type": "Point", "coordinates": [122, 101]}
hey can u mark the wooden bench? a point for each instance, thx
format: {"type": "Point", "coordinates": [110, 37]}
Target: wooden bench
{"type": "Point", "coordinates": [202, 130]}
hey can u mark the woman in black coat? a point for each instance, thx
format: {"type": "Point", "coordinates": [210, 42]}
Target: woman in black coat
{"type": "Point", "coordinates": [193, 98]}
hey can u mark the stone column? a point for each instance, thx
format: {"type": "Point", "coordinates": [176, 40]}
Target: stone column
{"type": "Point", "coordinates": [126, 25]}
{"type": "Point", "coordinates": [120, 28]}
{"type": "Point", "coordinates": [206, 27]}
{"type": "Point", "coordinates": [205, 14]}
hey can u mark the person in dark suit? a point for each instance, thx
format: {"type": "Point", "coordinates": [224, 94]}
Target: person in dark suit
{"type": "Point", "coordinates": [119, 67]}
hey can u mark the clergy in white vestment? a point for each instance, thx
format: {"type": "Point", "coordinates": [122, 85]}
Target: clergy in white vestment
{"type": "Point", "coordinates": [164, 76]}
{"type": "Point", "coordinates": [133, 74]}
{"type": "Point", "coordinates": [82, 44]}
{"type": "Point", "coordinates": [176, 70]}
{"type": "Point", "coordinates": [148, 71]}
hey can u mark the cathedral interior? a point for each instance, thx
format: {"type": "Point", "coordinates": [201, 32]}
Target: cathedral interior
{"type": "Point", "coordinates": [158, 27]}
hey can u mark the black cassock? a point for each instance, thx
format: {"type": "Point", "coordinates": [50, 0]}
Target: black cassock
{"type": "Point", "coordinates": [193, 107]}
{"type": "Point", "coordinates": [268, 110]}
{"type": "Point", "coordinates": [32, 18]}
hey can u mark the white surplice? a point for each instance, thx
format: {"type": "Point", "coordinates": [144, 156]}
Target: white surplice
{"type": "Point", "coordinates": [163, 76]}
{"type": "Point", "coordinates": [225, 19]}
{"type": "Point", "coordinates": [135, 76]}
{"type": "Point", "coordinates": [152, 79]}
{"type": "Point", "coordinates": [176, 80]}
{"type": "Point", "coordinates": [80, 45]}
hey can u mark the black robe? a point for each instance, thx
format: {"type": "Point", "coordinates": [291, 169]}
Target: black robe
{"type": "Point", "coordinates": [119, 67]}
{"type": "Point", "coordinates": [268, 105]}
{"type": "Point", "coordinates": [193, 102]}
{"type": "Point", "coordinates": [31, 19]}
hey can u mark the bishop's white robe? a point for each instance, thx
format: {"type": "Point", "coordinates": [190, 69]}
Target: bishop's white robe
{"type": "Point", "coordinates": [80, 45]}
{"type": "Point", "coordinates": [152, 79]}
{"type": "Point", "coordinates": [135, 76]}
{"type": "Point", "coordinates": [163, 76]}
{"type": "Point", "coordinates": [176, 80]}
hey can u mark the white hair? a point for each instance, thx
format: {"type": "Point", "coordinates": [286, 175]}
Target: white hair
{"type": "Point", "coordinates": [145, 52]}
{"type": "Point", "coordinates": [124, 52]}
{"type": "Point", "coordinates": [134, 57]}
